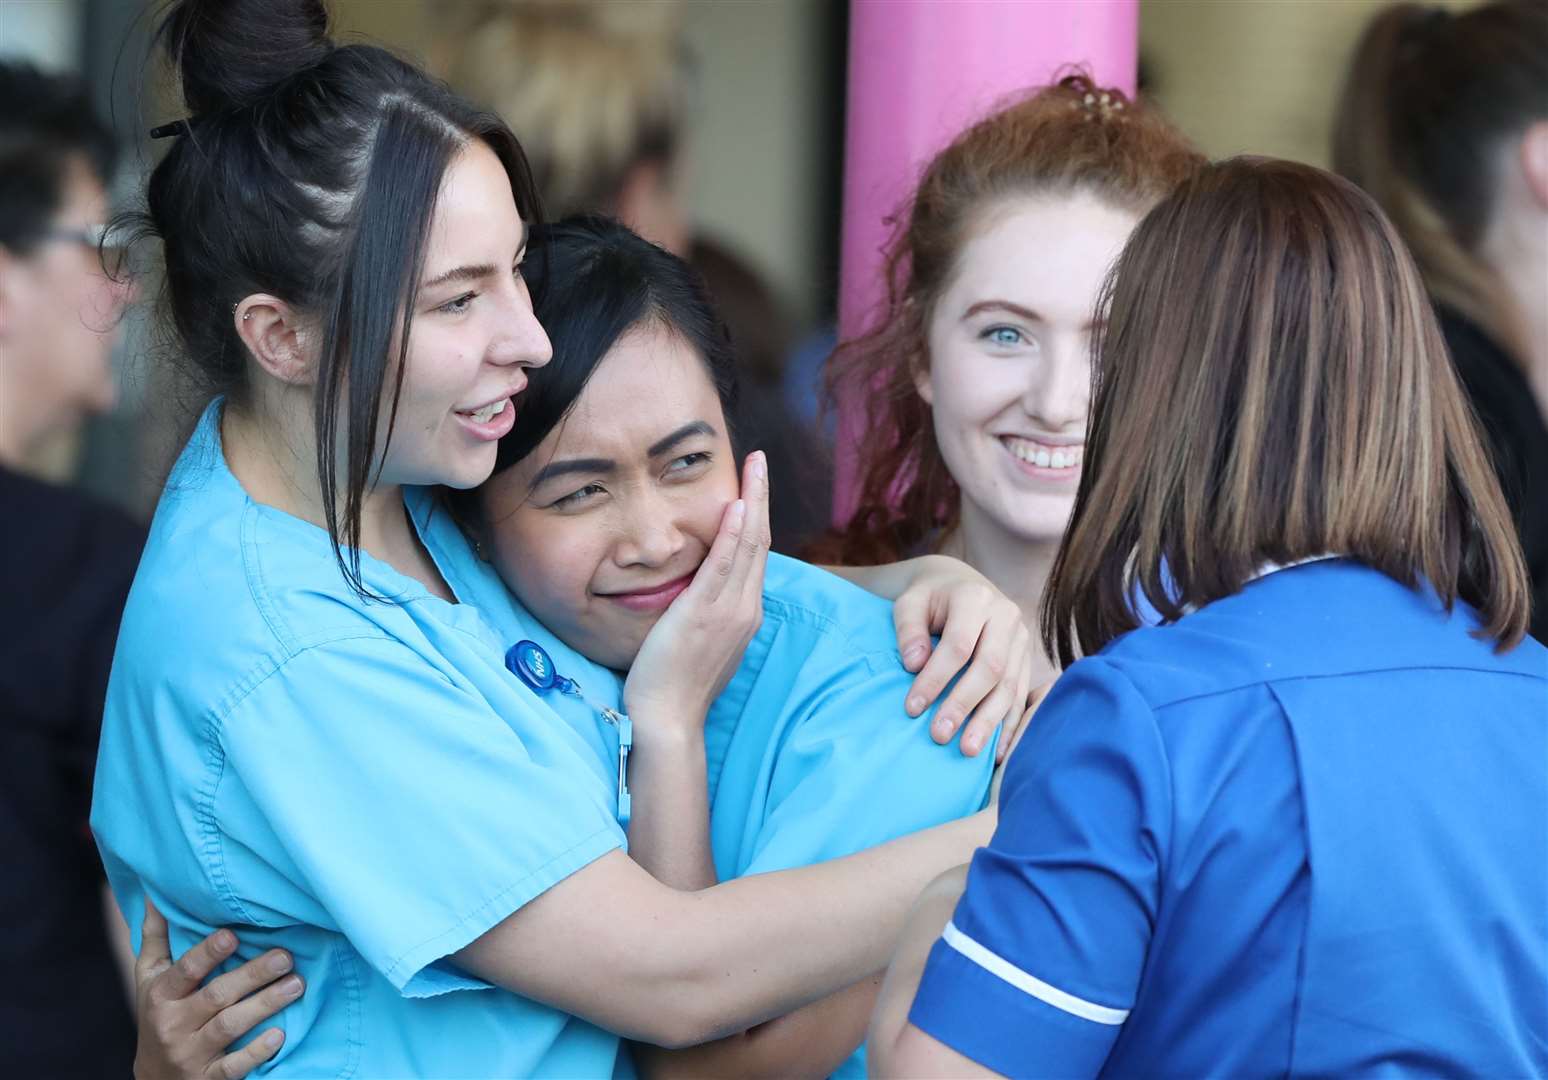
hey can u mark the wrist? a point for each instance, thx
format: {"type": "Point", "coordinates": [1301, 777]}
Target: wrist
{"type": "Point", "coordinates": [664, 727]}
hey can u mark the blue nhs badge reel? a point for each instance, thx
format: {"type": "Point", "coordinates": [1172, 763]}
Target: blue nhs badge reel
{"type": "Point", "coordinates": [530, 663]}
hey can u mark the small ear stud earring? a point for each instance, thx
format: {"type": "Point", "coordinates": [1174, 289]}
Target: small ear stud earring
{"type": "Point", "coordinates": [245, 315]}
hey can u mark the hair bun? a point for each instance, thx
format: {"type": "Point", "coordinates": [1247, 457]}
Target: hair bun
{"type": "Point", "coordinates": [230, 53]}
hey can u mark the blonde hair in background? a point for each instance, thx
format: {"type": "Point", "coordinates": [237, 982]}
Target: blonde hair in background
{"type": "Point", "coordinates": [593, 87]}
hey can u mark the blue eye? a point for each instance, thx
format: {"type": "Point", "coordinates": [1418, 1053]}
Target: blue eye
{"type": "Point", "coordinates": [1002, 335]}
{"type": "Point", "coordinates": [459, 305]}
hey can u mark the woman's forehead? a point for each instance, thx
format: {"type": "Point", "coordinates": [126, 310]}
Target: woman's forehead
{"type": "Point", "coordinates": [650, 382]}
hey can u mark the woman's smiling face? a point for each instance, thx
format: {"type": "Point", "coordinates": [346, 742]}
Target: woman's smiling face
{"type": "Point", "coordinates": [605, 522]}
{"type": "Point", "coordinates": [474, 335]}
{"type": "Point", "coordinates": [1009, 358]}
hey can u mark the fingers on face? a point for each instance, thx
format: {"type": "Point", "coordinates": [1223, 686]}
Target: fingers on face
{"type": "Point", "coordinates": [720, 563]}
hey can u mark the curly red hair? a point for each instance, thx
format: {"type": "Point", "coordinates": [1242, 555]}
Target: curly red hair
{"type": "Point", "coordinates": [1072, 136]}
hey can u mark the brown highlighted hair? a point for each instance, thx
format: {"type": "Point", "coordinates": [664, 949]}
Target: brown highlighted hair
{"type": "Point", "coordinates": [1271, 385]}
{"type": "Point", "coordinates": [1430, 99]}
{"type": "Point", "coordinates": [1067, 138]}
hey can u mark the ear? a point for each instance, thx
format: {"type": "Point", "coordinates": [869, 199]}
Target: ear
{"type": "Point", "coordinates": [919, 367]}
{"type": "Point", "coordinates": [277, 337]}
{"type": "Point", "coordinates": [1533, 157]}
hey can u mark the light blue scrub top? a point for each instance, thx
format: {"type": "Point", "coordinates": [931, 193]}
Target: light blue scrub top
{"type": "Point", "coordinates": [361, 783]}
{"type": "Point", "coordinates": [1301, 831]}
{"type": "Point", "coordinates": [810, 754]}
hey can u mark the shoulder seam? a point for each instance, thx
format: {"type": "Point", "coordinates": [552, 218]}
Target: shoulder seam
{"type": "Point", "coordinates": [252, 571]}
{"type": "Point", "coordinates": [1269, 682]}
{"type": "Point", "coordinates": [792, 611]}
{"type": "Point", "coordinates": [1163, 868]}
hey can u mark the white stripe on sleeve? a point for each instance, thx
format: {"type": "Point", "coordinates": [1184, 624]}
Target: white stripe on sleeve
{"type": "Point", "coordinates": [1028, 984]}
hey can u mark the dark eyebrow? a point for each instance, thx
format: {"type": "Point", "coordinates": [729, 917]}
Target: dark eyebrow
{"type": "Point", "coordinates": [557, 469]}
{"type": "Point", "coordinates": [477, 271]}
{"type": "Point", "coordinates": [460, 273]}
{"type": "Point", "coordinates": [661, 446]}
{"type": "Point", "coordinates": [1003, 305]}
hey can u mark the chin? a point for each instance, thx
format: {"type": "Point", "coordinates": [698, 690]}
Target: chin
{"type": "Point", "coordinates": [617, 655]}
{"type": "Point", "coordinates": [469, 473]}
{"type": "Point", "coordinates": [1037, 525]}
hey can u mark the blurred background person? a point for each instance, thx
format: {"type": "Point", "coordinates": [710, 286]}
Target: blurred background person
{"type": "Point", "coordinates": [1444, 120]}
{"type": "Point", "coordinates": [66, 562]}
{"type": "Point", "coordinates": [759, 326]}
{"type": "Point", "coordinates": [601, 93]}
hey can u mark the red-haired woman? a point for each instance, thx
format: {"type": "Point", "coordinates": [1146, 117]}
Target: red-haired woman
{"type": "Point", "coordinates": [977, 375]}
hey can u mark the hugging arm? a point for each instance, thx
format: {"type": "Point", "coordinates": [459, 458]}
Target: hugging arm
{"type": "Point", "coordinates": [612, 944]}
{"type": "Point", "coordinates": [897, 1048]}
{"type": "Point", "coordinates": [812, 1041]}
{"type": "Point", "coordinates": [982, 636]}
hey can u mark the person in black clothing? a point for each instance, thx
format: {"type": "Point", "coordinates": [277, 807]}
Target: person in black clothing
{"type": "Point", "coordinates": [1514, 423]}
{"type": "Point", "coordinates": [1444, 119]}
{"type": "Point", "coordinates": [66, 563]}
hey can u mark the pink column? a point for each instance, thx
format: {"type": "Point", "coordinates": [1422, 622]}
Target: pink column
{"type": "Point", "coordinates": [920, 71]}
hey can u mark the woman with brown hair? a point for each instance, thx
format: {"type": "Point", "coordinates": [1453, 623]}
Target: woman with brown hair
{"type": "Point", "coordinates": [975, 378]}
{"type": "Point", "coordinates": [1444, 119]}
{"type": "Point", "coordinates": [1298, 827]}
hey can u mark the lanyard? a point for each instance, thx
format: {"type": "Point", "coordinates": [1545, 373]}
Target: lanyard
{"type": "Point", "coordinates": [530, 663]}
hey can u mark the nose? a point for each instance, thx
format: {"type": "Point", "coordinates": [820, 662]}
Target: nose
{"type": "Point", "coordinates": [521, 340]}
{"type": "Point", "coordinates": [650, 536]}
{"type": "Point", "coordinates": [1058, 392]}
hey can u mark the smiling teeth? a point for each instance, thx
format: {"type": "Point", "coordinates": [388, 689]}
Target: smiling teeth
{"type": "Point", "coordinates": [1042, 457]}
{"type": "Point", "coordinates": [489, 412]}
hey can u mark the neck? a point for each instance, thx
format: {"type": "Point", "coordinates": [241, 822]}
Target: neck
{"type": "Point", "coordinates": [271, 450]}
{"type": "Point", "coordinates": [1018, 567]}
{"type": "Point", "coordinates": [22, 423]}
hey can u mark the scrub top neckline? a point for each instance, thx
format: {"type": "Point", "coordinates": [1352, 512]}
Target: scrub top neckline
{"type": "Point", "coordinates": [392, 583]}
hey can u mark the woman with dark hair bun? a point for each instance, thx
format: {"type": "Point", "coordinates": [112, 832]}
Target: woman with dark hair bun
{"type": "Point", "coordinates": [1444, 120]}
{"type": "Point", "coordinates": [308, 735]}
{"type": "Point", "coordinates": [1299, 827]}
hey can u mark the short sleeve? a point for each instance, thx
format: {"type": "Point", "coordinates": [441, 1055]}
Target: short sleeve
{"type": "Point", "coordinates": [369, 793]}
{"type": "Point", "coordinates": [856, 770]}
{"type": "Point", "coordinates": [1040, 964]}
